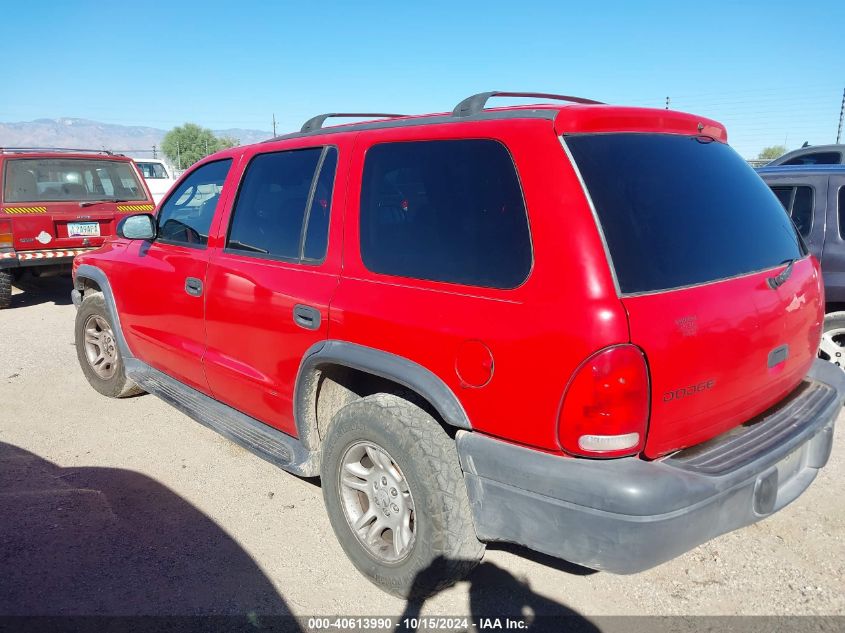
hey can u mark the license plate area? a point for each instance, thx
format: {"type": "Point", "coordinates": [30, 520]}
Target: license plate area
{"type": "Point", "coordinates": [83, 229]}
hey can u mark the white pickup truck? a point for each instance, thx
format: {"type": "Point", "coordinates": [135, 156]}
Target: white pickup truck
{"type": "Point", "coordinates": [159, 176]}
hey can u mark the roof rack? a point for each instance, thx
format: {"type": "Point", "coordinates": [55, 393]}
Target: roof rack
{"type": "Point", "coordinates": [315, 123]}
{"type": "Point", "coordinates": [24, 150]}
{"type": "Point", "coordinates": [475, 103]}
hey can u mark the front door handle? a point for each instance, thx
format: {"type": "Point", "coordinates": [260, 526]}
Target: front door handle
{"type": "Point", "coordinates": [193, 286]}
{"type": "Point", "coordinates": [306, 316]}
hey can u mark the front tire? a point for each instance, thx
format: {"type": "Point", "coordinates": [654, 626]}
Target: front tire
{"type": "Point", "coordinates": [97, 349]}
{"type": "Point", "coordinates": [396, 497]}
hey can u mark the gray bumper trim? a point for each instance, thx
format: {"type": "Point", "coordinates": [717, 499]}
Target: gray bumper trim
{"type": "Point", "coordinates": [626, 515]}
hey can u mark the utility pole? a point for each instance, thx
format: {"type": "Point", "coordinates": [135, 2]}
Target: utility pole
{"type": "Point", "coordinates": [667, 103]}
{"type": "Point", "coordinates": [841, 116]}
{"type": "Point", "coordinates": [206, 147]}
{"type": "Point", "coordinates": [155, 155]}
{"type": "Point", "coordinates": [178, 156]}
{"type": "Point", "coordinates": [274, 125]}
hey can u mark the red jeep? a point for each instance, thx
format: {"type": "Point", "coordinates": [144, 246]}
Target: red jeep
{"type": "Point", "coordinates": [59, 203]}
{"type": "Point", "coordinates": [587, 329]}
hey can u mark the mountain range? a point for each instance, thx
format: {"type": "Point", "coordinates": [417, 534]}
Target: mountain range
{"type": "Point", "coordinates": [132, 140]}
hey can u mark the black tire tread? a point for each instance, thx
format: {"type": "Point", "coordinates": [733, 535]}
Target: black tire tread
{"type": "Point", "coordinates": [5, 288]}
{"type": "Point", "coordinates": [120, 386]}
{"type": "Point", "coordinates": [457, 551]}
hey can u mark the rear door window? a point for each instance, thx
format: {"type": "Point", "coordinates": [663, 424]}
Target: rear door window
{"type": "Point", "coordinates": [282, 209]}
{"type": "Point", "coordinates": [678, 211]}
{"type": "Point", "coordinates": [798, 201]}
{"type": "Point", "coordinates": [448, 211]}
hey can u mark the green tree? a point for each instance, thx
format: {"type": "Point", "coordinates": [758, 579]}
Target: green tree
{"type": "Point", "coordinates": [772, 152]}
{"type": "Point", "coordinates": [186, 144]}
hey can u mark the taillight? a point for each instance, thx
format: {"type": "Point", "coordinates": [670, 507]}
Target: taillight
{"type": "Point", "coordinates": [606, 405]}
{"type": "Point", "coordinates": [6, 234]}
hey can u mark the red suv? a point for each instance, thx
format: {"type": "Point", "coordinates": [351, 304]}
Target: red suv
{"type": "Point", "coordinates": [59, 203]}
{"type": "Point", "coordinates": [587, 329]}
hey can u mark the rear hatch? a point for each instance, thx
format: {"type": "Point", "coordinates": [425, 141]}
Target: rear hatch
{"type": "Point", "coordinates": [69, 202]}
{"type": "Point", "coordinates": [720, 292]}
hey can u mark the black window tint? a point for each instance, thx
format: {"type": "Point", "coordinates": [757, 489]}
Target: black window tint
{"type": "Point", "coordinates": [841, 212]}
{"type": "Point", "coordinates": [784, 195]}
{"type": "Point", "coordinates": [317, 230]}
{"type": "Point", "coordinates": [270, 208]}
{"type": "Point", "coordinates": [798, 202]}
{"type": "Point", "coordinates": [817, 158]}
{"type": "Point", "coordinates": [446, 211]}
{"type": "Point", "coordinates": [186, 216]}
{"type": "Point", "coordinates": [802, 210]}
{"type": "Point", "coordinates": [678, 210]}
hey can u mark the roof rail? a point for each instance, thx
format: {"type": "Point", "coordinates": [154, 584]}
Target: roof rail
{"type": "Point", "coordinates": [24, 150]}
{"type": "Point", "coordinates": [315, 123]}
{"type": "Point", "coordinates": [475, 103]}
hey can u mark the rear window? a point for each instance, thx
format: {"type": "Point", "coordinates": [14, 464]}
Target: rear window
{"type": "Point", "coordinates": [816, 158]}
{"type": "Point", "coordinates": [59, 179]}
{"type": "Point", "coordinates": [448, 211]}
{"type": "Point", "coordinates": [678, 211]}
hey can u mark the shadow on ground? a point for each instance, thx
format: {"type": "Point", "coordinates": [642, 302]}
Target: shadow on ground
{"type": "Point", "coordinates": [113, 542]}
{"type": "Point", "coordinates": [86, 541]}
{"type": "Point", "coordinates": [38, 290]}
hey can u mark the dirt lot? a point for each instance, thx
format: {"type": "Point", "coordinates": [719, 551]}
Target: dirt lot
{"type": "Point", "coordinates": [129, 507]}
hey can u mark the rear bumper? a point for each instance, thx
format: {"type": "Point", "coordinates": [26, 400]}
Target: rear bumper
{"type": "Point", "coordinates": [51, 257]}
{"type": "Point", "coordinates": [626, 515]}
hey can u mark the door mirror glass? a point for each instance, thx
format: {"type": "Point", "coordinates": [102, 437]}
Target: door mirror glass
{"type": "Point", "coordinates": [137, 227]}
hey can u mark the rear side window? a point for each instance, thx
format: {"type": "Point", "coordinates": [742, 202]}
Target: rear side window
{"type": "Point", "coordinates": [152, 171]}
{"type": "Point", "coordinates": [70, 179]}
{"type": "Point", "coordinates": [448, 211]}
{"type": "Point", "coordinates": [816, 158]}
{"type": "Point", "coordinates": [185, 218]}
{"type": "Point", "coordinates": [678, 210]}
{"type": "Point", "coordinates": [798, 202]}
{"type": "Point", "coordinates": [282, 209]}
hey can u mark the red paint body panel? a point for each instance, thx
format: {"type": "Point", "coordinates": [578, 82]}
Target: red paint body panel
{"type": "Point", "coordinates": [254, 347]}
{"type": "Point", "coordinates": [537, 333]}
{"type": "Point", "coordinates": [239, 343]}
{"type": "Point", "coordinates": [708, 348]}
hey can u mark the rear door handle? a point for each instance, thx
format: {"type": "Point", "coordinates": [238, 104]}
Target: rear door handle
{"type": "Point", "coordinates": [306, 316]}
{"type": "Point", "coordinates": [193, 286]}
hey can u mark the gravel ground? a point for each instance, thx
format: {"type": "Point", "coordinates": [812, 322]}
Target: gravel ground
{"type": "Point", "coordinates": [129, 507]}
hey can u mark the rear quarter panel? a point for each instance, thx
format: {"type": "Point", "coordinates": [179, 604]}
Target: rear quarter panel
{"type": "Point", "coordinates": [537, 333]}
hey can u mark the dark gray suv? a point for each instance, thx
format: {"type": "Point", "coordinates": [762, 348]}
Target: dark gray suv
{"type": "Point", "coordinates": [814, 196]}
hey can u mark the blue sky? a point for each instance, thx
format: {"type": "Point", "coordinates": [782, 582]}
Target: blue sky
{"type": "Point", "coordinates": [772, 71]}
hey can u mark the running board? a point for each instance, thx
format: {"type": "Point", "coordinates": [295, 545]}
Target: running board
{"type": "Point", "coordinates": [264, 441]}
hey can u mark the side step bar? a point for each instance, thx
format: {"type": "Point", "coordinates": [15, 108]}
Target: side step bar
{"type": "Point", "coordinates": [268, 443]}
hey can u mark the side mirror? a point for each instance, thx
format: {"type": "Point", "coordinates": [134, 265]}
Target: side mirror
{"type": "Point", "coordinates": [137, 227]}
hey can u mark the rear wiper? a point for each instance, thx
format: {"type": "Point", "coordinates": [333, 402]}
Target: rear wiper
{"type": "Point", "coordinates": [89, 203]}
{"type": "Point", "coordinates": [778, 280]}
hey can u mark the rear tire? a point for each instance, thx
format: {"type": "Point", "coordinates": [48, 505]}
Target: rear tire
{"type": "Point", "coordinates": [5, 288]}
{"type": "Point", "coordinates": [98, 351]}
{"type": "Point", "coordinates": [413, 488]}
{"type": "Point", "coordinates": [832, 346]}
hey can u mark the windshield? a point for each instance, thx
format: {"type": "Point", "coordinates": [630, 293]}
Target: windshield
{"type": "Point", "coordinates": [72, 179]}
{"type": "Point", "coordinates": [152, 170]}
{"type": "Point", "coordinates": [678, 210]}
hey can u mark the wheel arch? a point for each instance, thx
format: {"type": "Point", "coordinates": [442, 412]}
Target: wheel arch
{"type": "Point", "coordinates": [90, 277]}
{"type": "Point", "coordinates": [340, 355]}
